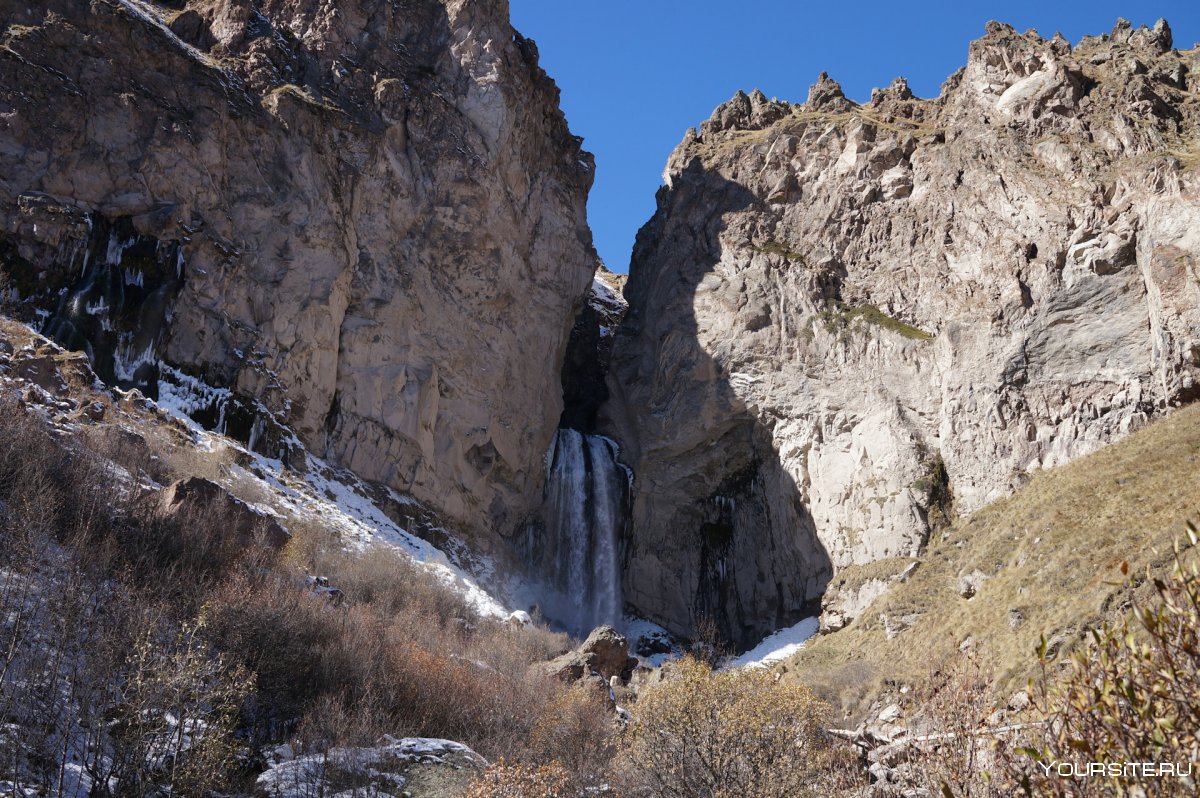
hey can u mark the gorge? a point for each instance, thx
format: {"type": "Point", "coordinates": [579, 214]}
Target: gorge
{"type": "Point", "coordinates": [358, 230]}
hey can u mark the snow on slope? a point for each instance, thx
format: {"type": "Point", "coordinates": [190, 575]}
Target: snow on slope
{"type": "Point", "coordinates": [336, 500]}
{"type": "Point", "coordinates": [332, 499]}
{"type": "Point", "coordinates": [778, 646]}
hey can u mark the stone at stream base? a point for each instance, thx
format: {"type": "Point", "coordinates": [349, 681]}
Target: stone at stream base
{"type": "Point", "coordinates": [609, 651]}
{"type": "Point", "coordinates": [605, 653]}
{"type": "Point", "coordinates": [599, 661]}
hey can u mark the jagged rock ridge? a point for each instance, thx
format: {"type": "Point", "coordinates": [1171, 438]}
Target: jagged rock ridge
{"type": "Point", "coordinates": [370, 205]}
{"type": "Point", "coordinates": [843, 317]}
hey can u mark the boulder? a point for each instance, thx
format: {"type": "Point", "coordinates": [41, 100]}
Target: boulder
{"type": "Point", "coordinates": [969, 584]}
{"type": "Point", "coordinates": [603, 655]}
{"type": "Point", "coordinates": [569, 667]}
{"type": "Point", "coordinates": [196, 497]}
{"type": "Point", "coordinates": [608, 652]}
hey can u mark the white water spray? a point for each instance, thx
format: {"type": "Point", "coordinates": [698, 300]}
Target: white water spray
{"type": "Point", "coordinates": [578, 552]}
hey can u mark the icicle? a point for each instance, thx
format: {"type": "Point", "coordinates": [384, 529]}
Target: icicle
{"type": "Point", "coordinates": [256, 431]}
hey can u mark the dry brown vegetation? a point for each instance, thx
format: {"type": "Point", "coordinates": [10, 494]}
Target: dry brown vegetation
{"type": "Point", "coordinates": [706, 734]}
{"type": "Point", "coordinates": [1132, 695]}
{"type": "Point", "coordinates": [228, 633]}
{"type": "Point", "coordinates": [1127, 697]}
{"type": "Point", "coordinates": [503, 780]}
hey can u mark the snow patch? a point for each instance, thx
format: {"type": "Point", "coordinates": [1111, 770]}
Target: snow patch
{"type": "Point", "coordinates": [646, 635]}
{"type": "Point", "coordinates": [606, 299]}
{"type": "Point", "coordinates": [779, 646]}
{"type": "Point", "coordinates": [322, 495]}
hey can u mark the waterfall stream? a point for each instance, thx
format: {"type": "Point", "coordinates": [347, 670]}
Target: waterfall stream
{"type": "Point", "coordinates": [577, 553]}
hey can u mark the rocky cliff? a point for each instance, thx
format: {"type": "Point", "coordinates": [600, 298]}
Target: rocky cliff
{"type": "Point", "coordinates": [847, 321]}
{"type": "Point", "coordinates": [365, 219]}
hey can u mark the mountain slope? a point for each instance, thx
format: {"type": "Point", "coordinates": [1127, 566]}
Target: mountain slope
{"type": "Point", "coordinates": [1041, 562]}
{"type": "Point", "coordinates": [843, 317]}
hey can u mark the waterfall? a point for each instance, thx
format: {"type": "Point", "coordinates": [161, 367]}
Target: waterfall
{"type": "Point", "coordinates": [577, 553]}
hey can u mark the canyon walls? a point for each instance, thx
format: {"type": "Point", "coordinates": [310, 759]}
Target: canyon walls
{"type": "Point", "coordinates": [365, 221]}
{"type": "Point", "coordinates": [376, 210]}
{"type": "Point", "coordinates": [848, 321]}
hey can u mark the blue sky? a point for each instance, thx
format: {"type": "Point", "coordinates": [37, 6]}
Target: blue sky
{"type": "Point", "coordinates": [636, 75]}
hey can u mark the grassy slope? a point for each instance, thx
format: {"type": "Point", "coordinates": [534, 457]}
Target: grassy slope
{"type": "Point", "coordinates": [1052, 552]}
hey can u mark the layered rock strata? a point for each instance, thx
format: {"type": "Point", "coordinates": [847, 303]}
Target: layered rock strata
{"type": "Point", "coordinates": [845, 318]}
{"type": "Point", "coordinates": [376, 210]}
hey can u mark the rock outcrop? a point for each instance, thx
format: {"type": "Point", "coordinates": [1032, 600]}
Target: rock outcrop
{"type": "Point", "coordinates": [366, 217]}
{"type": "Point", "coordinates": [245, 525]}
{"type": "Point", "coordinates": [603, 655]}
{"type": "Point", "coordinates": [845, 317]}
{"type": "Point", "coordinates": [418, 767]}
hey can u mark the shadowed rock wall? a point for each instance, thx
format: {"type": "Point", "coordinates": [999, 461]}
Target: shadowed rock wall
{"type": "Point", "coordinates": [843, 315]}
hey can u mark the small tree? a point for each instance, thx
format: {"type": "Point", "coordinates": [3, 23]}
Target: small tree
{"type": "Point", "coordinates": [720, 734]}
{"type": "Point", "coordinates": [173, 707]}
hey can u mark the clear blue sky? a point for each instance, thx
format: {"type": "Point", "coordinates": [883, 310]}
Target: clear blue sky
{"type": "Point", "coordinates": [636, 75]}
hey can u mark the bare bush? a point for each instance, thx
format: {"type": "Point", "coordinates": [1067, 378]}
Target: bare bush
{"type": "Point", "coordinates": [966, 752]}
{"type": "Point", "coordinates": [391, 582]}
{"type": "Point", "coordinates": [504, 780]}
{"type": "Point", "coordinates": [573, 729]}
{"type": "Point", "coordinates": [151, 611]}
{"type": "Point", "coordinates": [706, 734]}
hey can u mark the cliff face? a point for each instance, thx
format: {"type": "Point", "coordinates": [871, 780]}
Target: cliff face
{"type": "Point", "coordinates": [845, 317]}
{"type": "Point", "coordinates": [351, 212]}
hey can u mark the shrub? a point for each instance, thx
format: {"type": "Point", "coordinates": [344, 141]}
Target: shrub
{"type": "Point", "coordinates": [391, 582]}
{"type": "Point", "coordinates": [706, 734]}
{"type": "Point", "coordinates": [1129, 696]}
{"type": "Point", "coordinates": [962, 756]}
{"type": "Point", "coordinates": [574, 729]}
{"type": "Point", "coordinates": [1132, 695]}
{"type": "Point", "coordinates": [113, 605]}
{"type": "Point", "coordinates": [103, 690]}
{"type": "Point", "coordinates": [503, 780]}
{"type": "Point", "coordinates": [393, 664]}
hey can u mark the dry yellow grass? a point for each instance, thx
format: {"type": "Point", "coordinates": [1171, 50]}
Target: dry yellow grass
{"type": "Point", "coordinates": [1052, 554]}
{"type": "Point", "coordinates": [798, 120]}
{"type": "Point", "coordinates": [1189, 156]}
